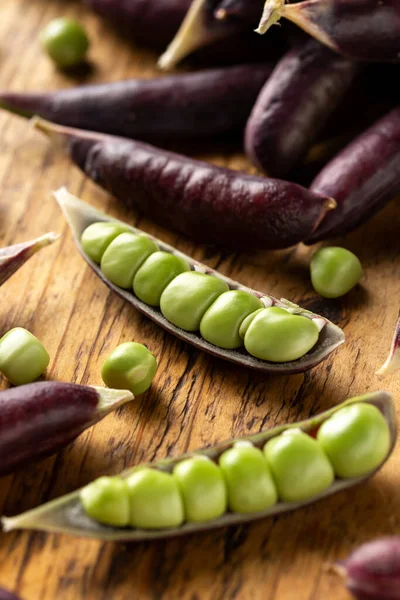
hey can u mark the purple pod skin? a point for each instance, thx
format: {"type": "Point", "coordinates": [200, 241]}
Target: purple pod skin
{"type": "Point", "coordinates": [202, 201]}
{"type": "Point", "coordinates": [303, 91]}
{"type": "Point", "coordinates": [38, 419]}
{"type": "Point", "coordinates": [246, 10]}
{"type": "Point", "coordinates": [174, 108]}
{"type": "Point", "coordinates": [362, 30]}
{"type": "Point", "coordinates": [362, 178]}
{"type": "Point", "coordinates": [13, 257]}
{"type": "Point", "coordinates": [6, 595]}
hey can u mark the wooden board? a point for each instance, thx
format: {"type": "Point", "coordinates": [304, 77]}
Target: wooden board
{"type": "Point", "coordinates": [195, 400]}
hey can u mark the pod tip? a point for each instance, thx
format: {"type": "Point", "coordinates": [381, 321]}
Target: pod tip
{"type": "Point", "coordinates": [221, 14]}
{"type": "Point", "coordinates": [271, 14]}
{"type": "Point", "coordinates": [7, 524]}
{"type": "Point", "coordinates": [110, 399]}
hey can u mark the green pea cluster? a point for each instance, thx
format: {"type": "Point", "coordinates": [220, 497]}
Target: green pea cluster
{"type": "Point", "coordinates": [197, 302]}
{"type": "Point", "coordinates": [291, 467]}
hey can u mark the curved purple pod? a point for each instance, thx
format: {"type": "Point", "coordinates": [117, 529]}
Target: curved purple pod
{"type": "Point", "coordinates": [38, 419]}
{"type": "Point", "coordinates": [199, 200]}
{"type": "Point", "coordinates": [304, 89]}
{"type": "Point", "coordinates": [174, 108]}
{"type": "Point", "coordinates": [13, 257]}
{"type": "Point", "coordinates": [363, 178]}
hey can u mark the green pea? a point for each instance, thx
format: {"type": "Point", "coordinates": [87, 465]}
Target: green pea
{"type": "Point", "coordinates": [155, 274]}
{"type": "Point", "coordinates": [155, 500]}
{"type": "Point", "coordinates": [248, 320]}
{"type": "Point", "coordinates": [185, 300]}
{"type": "Point", "coordinates": [124, 256]}
{"type": "Point", "coordinates": [248, 479]}
{"type": "Point", "coordinates": [130, 366]}
{"type": "Point", "coordinates": [299, 466]}
{"type": "Point", "coordinates": [220, 324]}
{"type": "Point", "coordinates": [202, 487]}
{"type": "Point", "coordinates": [334, 271]}
{"type": "Point", "coordinates": [23, 358]}
{"type": "Point", "coordinates": [356, 439]}
{"type": "Point", "coordinates": [106, 500]}
{"type": "Point", "coordinates": [65, 41]}
{"type": "Point", "coordinates": [279, 336]}
{"type": "Point", "coordinates": [97, 237]}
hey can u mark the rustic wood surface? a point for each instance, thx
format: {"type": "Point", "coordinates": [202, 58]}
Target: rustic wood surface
{"type": "Point", "coordinates": [195, 400]}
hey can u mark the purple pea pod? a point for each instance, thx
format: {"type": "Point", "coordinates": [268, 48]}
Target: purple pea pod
{"type": "Point", "coordinates": [372, 572]}
{"type": "Point", "coordinates": [362, 178]}
{"type": "Point", "coordinates": [246, 10]}
{"type": "Point", "coordinates": [392, 363]}
{"type": "Point", "coordinates": [39, 419]}
{"type": "Point", "coordinates": [6, 595]}
{"type": "Point", "coordinates": [13, 257]}
{"type": "Point", "coordinates": [303, 91]}
{"type": "Point", "coordinates": [363, 29]}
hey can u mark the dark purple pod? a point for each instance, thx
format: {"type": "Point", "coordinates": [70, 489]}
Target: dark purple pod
{"type": "Point", "coordinates": [360, 29]}
{"type": "Point", "coordinates": [303, 91]}
{"type": "Point", "coordinates": [6, 595]}
{"type": "Point", "coordinates": [202, 201]}
{"type": "Point", "coordinates": [38, 419]}
{"type": "Point", "coordinates": [362, 178]}
{"type": "Point", "coordinates": [246, 10]}
{"type": "Point", "coordinates": [13, 257]}
{"type": "Point", "coordinates": [172, 109]}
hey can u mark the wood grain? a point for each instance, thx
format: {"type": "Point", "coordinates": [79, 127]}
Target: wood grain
{"type": "Point", "coordinates": [195, 400]}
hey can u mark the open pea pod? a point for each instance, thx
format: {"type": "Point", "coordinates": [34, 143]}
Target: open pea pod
{"type": "Point", "coordinates": [67, 515]}
{"type": "Point", "coordinates": [81, 215]}
{"type": "Point", "coordinates": [13, 257]}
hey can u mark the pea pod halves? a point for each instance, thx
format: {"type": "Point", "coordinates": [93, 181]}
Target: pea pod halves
{"type": "Point", "coordinates": [66, 514]}
{"type": "Point", "coordinates": [80, 215]}
{"type": "Point", "coordinates": [13, 257]}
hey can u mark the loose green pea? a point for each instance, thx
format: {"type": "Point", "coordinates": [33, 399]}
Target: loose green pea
{"type": "Point", "coordinates": [248, 320]}
{"type": "Point", "coordinates": [278, 336]}
{"type": "Point", "coordinates": [248, 479]}
{"type": "Point", "coordinates": [185, 300]}
{"type": "Point", "coordinates": [124, 256]}
{"type": "Point", "coordinates": [155, 500]}
{"type": "Point", "coordinates": [220, 324]}
{"type": "Point", "coordinates": [155, 274]}
{"type": "Point", "coordinates": [131, 366]}
{"type": "Point", "coordinates": [23, 358]}
{"type": "Point", "coordinates": [299, 466]}
{"type": "Point", "coordinates": [202, 487]}
{"type": "Point", "coordinates": [65, 41]}
{"type": "Point", "coordinates": [334, 271]}
{"type": "Point", "coordinates": [97, 237]}
{"type": "Point", "coordinates": [356, 439]}
{"type": "Point", "coordinates": [106, 500]}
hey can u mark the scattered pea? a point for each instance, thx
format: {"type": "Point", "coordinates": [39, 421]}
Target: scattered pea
{"type": "Point", "coordinates": [248, 479]}
{"type": "Point", "coordinates": [97, 237]}
{"type": "Point", "coordinates": [334, 271]}
{"type": "Point", "coordinates": [221, 323]}
{"type": "Point", "coordinates": [202, 487]}
{"type": "Point", "coordinates": [155, 500]}
{"type": "Point", "coordinates": [185, 300]}
{"type": "Point", "coordinates": [124, 256]}
{"type": "Point", "coordinates": [299, 466]}
{"type": "Point", "coordinates": [279, 336]}
{"type": "Point", "coordinates": [131, 366]}
{"type": "Point", "coordinates": [23, 358]}
{"type": "Point", "coordinates": [158, 270]}
{"type": "Point", "coordinates": [356, 439]}
{"type": "Point", "coordinates": [106, 500]}
{"type": "Point", "coordinates": [65, 41]}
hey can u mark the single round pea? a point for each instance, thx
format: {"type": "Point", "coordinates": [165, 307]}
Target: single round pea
{"type": "Point", "coordinates": [124, 256]}
{"type": "Point", "coordinates": [65, 41]}
{"type": "Point", "coordinates": [155, 274]}
{"type": "Point", "coordinates": [97, 237]}
{"type": "Point", "coordinates": [278, 336]}
{"type": "Point", "coordinates": [23, 358]}
{"type": "Point", "coordinates": [248, 320]}
{"type": "Point", "coordinates": [106, 500]}
{"type": "Point", "coordinates": [299, 466]}
{"type": "Point", "coordinates": [248, 479]}
{"type": "Point", "coordinates": [221, 323]}
{"type": "Point", "coordinates": [334, 271]}
{"type": "Point", "coordinates": [131, 366]}
{"type": "Point", "coordinates": [202, 487]}
{"type": "Point", "coordinates": [185, 300]}
{"type": "Point", "coordinates": [356, 439]}
{"type": "Point", "coordinates": [155, 500]}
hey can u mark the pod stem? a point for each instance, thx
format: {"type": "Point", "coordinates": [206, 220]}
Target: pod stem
{"type": "Point", "coordinates": [13, 257]}
{"type": "Point", "coordinates": [392, 363]}
{"type": "Point", "coordinates": [272, 12]}
{"type": "Point", "coordinates": [110, 399]}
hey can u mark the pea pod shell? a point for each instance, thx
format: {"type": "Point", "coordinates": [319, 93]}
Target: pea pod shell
{"type": "Point", "coordinates": [66, 514]}
{"type": "Point", "coordinates": [80, 215]}
{"type": "Point", "coordinates": [13, 257]}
